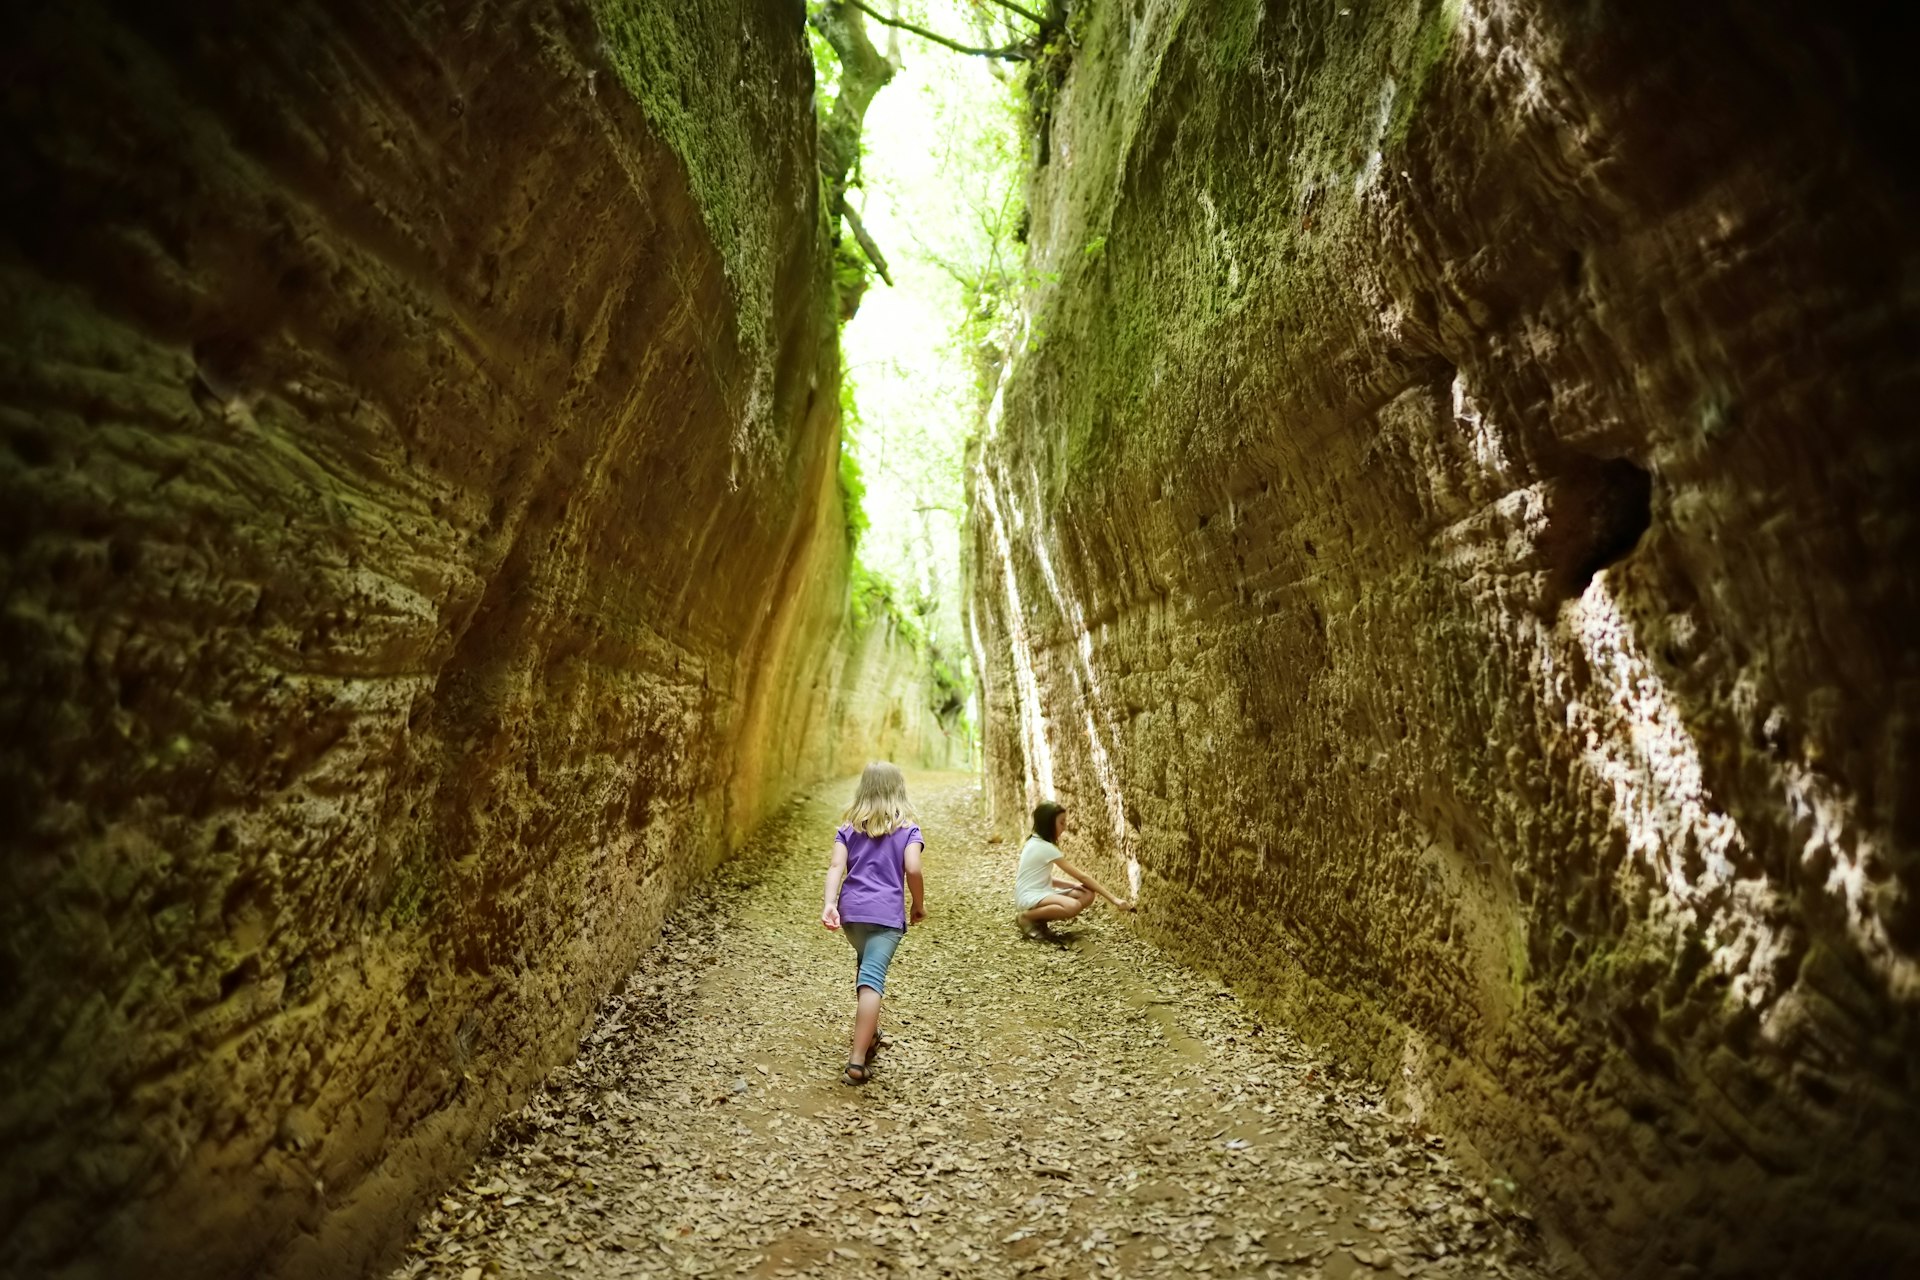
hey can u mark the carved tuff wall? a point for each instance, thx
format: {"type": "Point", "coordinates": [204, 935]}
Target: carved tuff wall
{"type": "Point", "coordinates": [1447, 527]}
{"type": "Point", "coordinates": [423, 558]}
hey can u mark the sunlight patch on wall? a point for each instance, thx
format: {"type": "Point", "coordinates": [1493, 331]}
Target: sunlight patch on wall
{"type": "Point", "coordinates": [1085, 684]}
{"type": "Point", "coordinates": [1634, 739]}
{"type": "Point", "coordinates": [1038, 754]}
{"type": "Point", "coordinates": [997, 406]}
{"type": "Point", "coordinates": [1491, 26]}
{"type": "Point", "coordinates": [1369, 172]}
{"type": "Point", "coordinates": [978, 697]}
{"type": "Point", "coordinates": [1639, 745]}
{"type": "Point", "coordinates": [1481, 436]}
{"type": "Point", "coordinates": [1835, 835]}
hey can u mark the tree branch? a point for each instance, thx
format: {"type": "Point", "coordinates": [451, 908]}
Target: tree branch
{"type": "Point", "coordinates": [1028, 14]}
{"type": "Point", "coordinates": [863, 73]}
{"type": "Point", "coordinates": [867, 246]}
{"type": "Point", "coordinates": [1012, 53]}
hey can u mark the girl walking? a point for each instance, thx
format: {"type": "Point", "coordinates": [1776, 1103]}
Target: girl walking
{"type": "Point", "coordinates": [875, 865]}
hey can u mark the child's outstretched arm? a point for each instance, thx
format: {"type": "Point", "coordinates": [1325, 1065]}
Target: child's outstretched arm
{"type": "Point", "coordinates": [1119, 904]}
{"type": "Point", "coordinates": [836, 872]}
{"type": "Point", "coordinates": [916, 887]}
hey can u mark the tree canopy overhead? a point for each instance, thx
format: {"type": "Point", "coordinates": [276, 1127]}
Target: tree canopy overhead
{"type": "Point", "coordinates": [927, 178]}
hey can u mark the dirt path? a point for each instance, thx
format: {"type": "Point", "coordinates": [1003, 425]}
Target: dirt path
{"type": "Point", "coordinates": [1085, 1109]}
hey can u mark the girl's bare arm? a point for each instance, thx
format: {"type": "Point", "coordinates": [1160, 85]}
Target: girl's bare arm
{"type": "Point", "coordinates": [836, 873]}
{"type": "Point", "coordinates": [916, 887]}
{"type": "Point", "coordinates": [1063, 865]}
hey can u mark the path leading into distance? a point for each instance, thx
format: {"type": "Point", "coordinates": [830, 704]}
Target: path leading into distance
{"type": "Point", "coordinates": [1086, 1108]}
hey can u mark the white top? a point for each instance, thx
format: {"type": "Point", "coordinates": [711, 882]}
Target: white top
{"type": "Point", "coordinates": [1035, 879]}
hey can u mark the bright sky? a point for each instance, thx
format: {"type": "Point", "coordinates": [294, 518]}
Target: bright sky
{"type": "Point", "coordinates": [923, 182]}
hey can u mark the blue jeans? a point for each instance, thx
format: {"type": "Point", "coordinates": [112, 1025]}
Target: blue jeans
{"type": "Point", "coordinates": [873, 946]}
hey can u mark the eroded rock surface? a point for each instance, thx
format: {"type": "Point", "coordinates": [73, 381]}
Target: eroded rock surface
{"type": "Point", "coordinates": [1447, 530]}
{"type": "Point", "coordinates": [423, 558]}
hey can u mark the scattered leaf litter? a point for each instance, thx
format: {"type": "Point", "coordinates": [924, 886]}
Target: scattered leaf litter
{"type": "Point", "coordinates": [1079, 1108]}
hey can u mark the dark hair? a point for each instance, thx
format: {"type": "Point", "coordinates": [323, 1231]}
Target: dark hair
{"type": "Point", "coordinates": [1046, 820]}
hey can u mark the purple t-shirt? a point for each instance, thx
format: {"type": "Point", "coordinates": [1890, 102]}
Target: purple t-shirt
{"type": "Point", "coordinates": [875, 890]}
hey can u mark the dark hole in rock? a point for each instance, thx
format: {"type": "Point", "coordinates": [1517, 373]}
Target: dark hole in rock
{"type": "Point", "coordinates": [244, 894]}
{"type": "Point", "coordinates": [237, 977]}
{"type": "Point", "coordinates": [32, 447]}
{"type": "Point", "coordinates": [222, 361]}
{"type": "Point", "coordinates": [1819, 1090]}
{"type": "Point", "coordinates": [1619, 512]}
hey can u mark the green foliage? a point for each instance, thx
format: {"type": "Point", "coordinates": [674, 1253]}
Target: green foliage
{"type": "Point", "coordinates": [950, 687]}
{"type": "Point", "coordinates": [853, 482]}
{"type": "Point", "coordinates": [1094, 248]}
{"type": "Point", "coordinates": [1079, 17]}
{"type": "Point", "coordinates": [852, 275]}
{"type": "Point", "coordinates": [673, 61]}
{"type": "Point", "coordinates": [1438, 22]}
{"type": "Point", "coordinates": [826, 73]}
{"type": "Point", "coordinates": [853, 495]}
{"type": "Point", "coordinates": [1047, 73]}
{"type": "Point", "coordinates": [873, 600]}
{"type": "Point", "coordinates": [942, 193]}
{"type": "Point", "coordinates": [981, 252]}
{"type": "Point", "coordinates": [940, 184]}
{"type": "Point", "coordinates": [869, 596]}
{"type": "Point", "coordinates": [410, 889]}
{"type": "Point", "coordinates": [1234, 33]}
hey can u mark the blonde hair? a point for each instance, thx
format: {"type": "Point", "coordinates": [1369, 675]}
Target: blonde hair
{"type": "Point", "coordinates": [880, 802]}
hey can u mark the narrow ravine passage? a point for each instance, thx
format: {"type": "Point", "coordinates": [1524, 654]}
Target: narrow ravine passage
{"type": "Point", "coordinates": [1082, 1109]}
{"type": "Point", "coordinates": [1423, 483]}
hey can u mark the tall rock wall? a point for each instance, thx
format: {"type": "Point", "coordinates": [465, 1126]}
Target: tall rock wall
{"type": "Point", "coordinates": [881, 701]}
{"type": "Point", "coordinates": [1448, 527]}
{"type": "Point", "coordinates": [423, 558]}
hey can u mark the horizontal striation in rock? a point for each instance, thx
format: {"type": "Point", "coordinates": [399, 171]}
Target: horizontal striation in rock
{"type": "Point", "coordinates": [423, 558]}
{"type": "Point", "coordinates": [1448, 528]}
